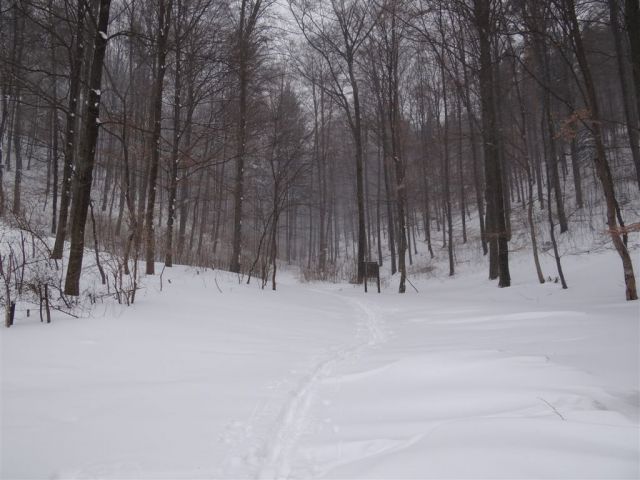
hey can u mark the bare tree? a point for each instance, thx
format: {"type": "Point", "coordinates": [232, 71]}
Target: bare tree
{"type": "Point", "coordinates": [484, 22]}
{"type": "Point", "coordinates": [84, 166]}
{"type": "Point", "coordinates": [593, 122]}
{"type": "Point", "coordinates": [70, 146]}
{"type": "Point", "coordinates": [246, 43]}
{"type": "Point", "coordinates": [161, 48]}
{"type": "Point", "coordinates": [337, 31]}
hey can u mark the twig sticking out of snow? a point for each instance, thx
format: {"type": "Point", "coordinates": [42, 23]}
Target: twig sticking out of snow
{"type": "Point", "coordinates": [555, 410]}
{"type": "Point", "coordinates": [414, 287]}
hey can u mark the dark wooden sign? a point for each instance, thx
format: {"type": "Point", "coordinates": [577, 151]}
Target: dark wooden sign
{"type": "Point", "coordinates": [371, 270]}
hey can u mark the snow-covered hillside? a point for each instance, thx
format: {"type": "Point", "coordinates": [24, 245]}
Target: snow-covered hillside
{"type": "Point", "coordinates": [215, 379]}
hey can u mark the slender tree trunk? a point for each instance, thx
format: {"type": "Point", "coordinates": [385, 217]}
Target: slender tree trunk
{"type": "Point", "coordinates": [70, 133]}
{"type": "Point", "coordinates": [84, 167]}
{"type": "Point", "coordinates": [461, 172]}
{"type": "Point", "coordinates": [203, 217]}
{"type": "Point", "coordinates": [630, 111]}
{"type": "Point", "coordinates": [503, 163]}
{"type": "Point", "coordinates": [378, 206]}
{"type": "Point", "coordinates": [445, 168]}
{"type": "Point", "coordinates": [325, 214]}
{"type": "Point", "coordinates": [196, 205]}
{"type": "Point", "coordinates": [396, 155]}
{"type": "Point", "coordinates": [537, 162]}
{"type": "Point", "coordinates": [184, 181]}
{"type": "Point", "coordinates": [357, 135]}
{"type": "Point", "coordinates": [477, 185]}
{"type": "Point", "coordinates": [218, 198]}
{"type": "Point", "coordinates": [17, 145]}
{"type": "Point", "coordinates": [2, 130]}
{"type": "Point", "coordinates": [632, 21]}
{"type": "Point", "coordinates": [532, 227]}
{"type": "Point", "coordinates": [128, 193]}
{"type": "Point", "coordinates": [18, 48]}
{"type": "Point", "coordinates": [55, 127]}
{"type": "Point", "coordinates": [477, 175]}
{"type": "Point", "coordinates": [427, 206]}
{"type": "Point", "coordinates": [245, 31]}
{"type": "Point", "coordinates": [602, 165]}
{"type": "Point", "coordinates": [577, 175]}
{"type": "Point", "coordinates": [164, 21]}
{"type": "Point", "coordinates": [390, 222]}
{"type": "Point", "coordinates": [108, 174]}
{"type": "Point", "coordinates": [524, 133]}
{"type": "Point", "coordinates": [175, 149]}
{"type": "Point", "coordinates": [552, 157]}
{"type": "Point", "coordinates": [240, 154]}
{"type": "Point", "coordinates": [493, 174]}
{"type": "Point", "coordinates": [367, 201]}
{"type": "Point", "coordinates": [552, 233]}
{"type": "Point", "coordinates": [274, 238]}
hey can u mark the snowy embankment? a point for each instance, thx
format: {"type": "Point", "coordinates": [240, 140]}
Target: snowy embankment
{"type": "Point", "coordinates": [463, 380]}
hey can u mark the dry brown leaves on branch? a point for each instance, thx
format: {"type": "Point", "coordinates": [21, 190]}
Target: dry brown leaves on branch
{"type": "Point", "coordinates": [634, 227]}
{"type": "Point", "coordinates": [569, 126]}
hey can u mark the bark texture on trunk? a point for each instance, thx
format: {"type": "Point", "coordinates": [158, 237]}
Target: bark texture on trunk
{"type": "Point", "coordinates": [164, 20]}
{"type": "Point", "coordinates": [70, 134]}
{"type": "Point", "coordinates": [84, 166]}
{"type": "Point", "coordinates": [603, 170]}
{"type": "Point", "coordinates": [496, 228]}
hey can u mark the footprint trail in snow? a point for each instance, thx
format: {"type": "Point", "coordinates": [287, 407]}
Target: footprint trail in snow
{"type": "Point", "coordinates": [294, 418]}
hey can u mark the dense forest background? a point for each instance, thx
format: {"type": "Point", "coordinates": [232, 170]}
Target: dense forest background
{"type": "Point", "coordinates": [325, 133]}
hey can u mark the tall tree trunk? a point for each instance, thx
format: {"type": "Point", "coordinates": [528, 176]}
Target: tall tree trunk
{"type": "Point", "coordinates": [248, 18]}
{"type": "Point", "coordinates": [425, 187]}
{"type": "Point", "coordinates": [2, 130]}
{"type": "Point", "coordinates": [184, 180]}
{"type": "Point", "coordinates": [632, 20]}
{"type": "Point", "coordinates": [70, 133]}
{"type": "Point", "coordinates": [477, 175]}
{"type": "Point", "coordinates": [396, 153]}
{"type": "Point", "coordinates": [445, 168]}
{"type": "Point", "coordinates": [602, 165]}
{"type": "Point", "coordinates": [17, 145]}
{"type": "Point", "coordinates": [175, 148]}
{"type": "Point", "coordinates": [18, 48]}
{"type": "Point", "coordinates": [84, 166]}
{"type": "Point", "coordinates": [238, 193]}
{"type": "Point", "coordinates": [220, 206]}
{"type": "Point", "coordinates": [55, 127]}
{"type": "Point", "coordinates": [357, 135]}
{"type": "Point", "coordinates": [389, 200]}
{"type": "Point", "coordinates": [367, 200]}
{"type": "Point", "coordinates": [552, 157]}
{"type": "Point", "coordinates": [577, 175]}
{"type": "Point", "coordinates": [532, 226]}
{"type": "Point", "coordinates": [493, 174]}
{"type": "Point", "coordinates": [164, 20]}
{"type": "Point", "coordinates": [461, 172]}
{"type": "Point", "coordinates": [321, 159]}
{"type": "Point", "coordinates": [552, 233]}
{"type": "Point", "coordinates": [524, 131]}
{"type": "Point", "coordinates": [378, 206]}
{"type": "Point", "coordinates": [274, 237]}
{"type": "Point", "coordinates": [630, 111]}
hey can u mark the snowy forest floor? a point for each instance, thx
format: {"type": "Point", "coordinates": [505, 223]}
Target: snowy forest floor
{"type": "Point", "coordinates": [215, 379]}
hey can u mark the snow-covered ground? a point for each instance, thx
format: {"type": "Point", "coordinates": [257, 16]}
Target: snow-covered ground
{"type": "Point", "coordinates": [461, 380]}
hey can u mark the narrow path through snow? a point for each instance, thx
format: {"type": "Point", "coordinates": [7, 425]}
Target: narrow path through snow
{"type": "Point", "coordinates": [294, 419]}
